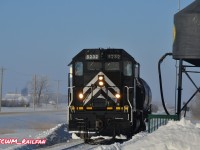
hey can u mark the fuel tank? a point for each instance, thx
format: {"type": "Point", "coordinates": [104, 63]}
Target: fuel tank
{"type": "Point", "coordinates": [144, 95]}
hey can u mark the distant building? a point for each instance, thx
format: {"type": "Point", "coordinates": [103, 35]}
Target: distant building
{"type": "Point", "coordinates": [15, 100]}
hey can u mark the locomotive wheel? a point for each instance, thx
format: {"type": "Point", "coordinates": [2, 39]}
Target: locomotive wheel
{"type": "Point", "coordinates": [114, 132]}
{"type": "Point", "coordinates": [142, 126]}
{"type": "Point", "coordinates": [84, 136]}
{"type": "Point", "coordinates": [136, 126]}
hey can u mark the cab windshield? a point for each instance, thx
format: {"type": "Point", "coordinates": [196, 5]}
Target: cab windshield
{"type": "Point", "coordinates": [94, 65]}
{"type": "Point", "coordinates": [112, 66]}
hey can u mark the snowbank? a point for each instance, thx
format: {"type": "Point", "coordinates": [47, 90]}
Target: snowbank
{"type": "Point", "coordinates": [176, 135]}
{"type": "Point", "coordinates": [53, 136]}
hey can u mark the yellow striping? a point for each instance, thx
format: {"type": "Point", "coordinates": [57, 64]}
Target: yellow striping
{"type": "Point", "coordinates": [126, 108]}
{"type": "Point", "coordinates": [79, 108]}
{"type": "Point", "coordinates": [72, 107]}
{"type": "Point", "coordinates": [118, 108]}
{"type": "Point", "coordinates": [174, 33]}
{"type": "Point", "coordinates": [89, 108]}
{"type": "Point", "coordinates": [109, 108]}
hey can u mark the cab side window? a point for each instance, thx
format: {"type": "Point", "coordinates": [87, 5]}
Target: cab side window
{"type": "Point", "coordinates": [128, 71]}
{"type": "Point", "coordinates": [79, 68]}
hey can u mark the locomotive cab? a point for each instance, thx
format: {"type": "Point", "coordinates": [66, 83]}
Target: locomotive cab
{"type": "Point", "coordinates": [106, 96]}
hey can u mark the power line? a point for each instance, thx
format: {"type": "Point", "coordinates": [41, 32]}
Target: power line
{"type": "Point", "coordinates": [1, 85]}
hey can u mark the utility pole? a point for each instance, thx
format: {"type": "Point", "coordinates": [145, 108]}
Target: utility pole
{"type": "Point", "coordinates": [1, 85]}
{"type": "Point", "coordinates": [34, 99]}
{"type": "Point", "coordinates": [58, 86]}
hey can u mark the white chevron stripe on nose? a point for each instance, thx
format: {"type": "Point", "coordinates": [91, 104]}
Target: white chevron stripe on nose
{"type": "Point", "coordinates": [88, 98]}
{"type": "Point", "coordinates": [93, 81]}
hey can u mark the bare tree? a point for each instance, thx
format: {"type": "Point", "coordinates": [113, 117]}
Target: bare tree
{"type": "Point", "coordinates": [195, 105]}
{"type": "Point", "coordinates": [39, 89]}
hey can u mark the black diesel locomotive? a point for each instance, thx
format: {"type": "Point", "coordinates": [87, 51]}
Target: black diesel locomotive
{"type": "Point", "coordinates": [106, 94]}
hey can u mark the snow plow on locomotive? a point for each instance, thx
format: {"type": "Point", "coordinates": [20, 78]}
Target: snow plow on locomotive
{"type": "Point", "coordinates": [106, 95]}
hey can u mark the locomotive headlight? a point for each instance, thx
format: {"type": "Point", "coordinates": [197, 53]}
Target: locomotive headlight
{"type": "Point", "coordinates": [101, 83]}
{"type": "Point", "coordinates": [117, 96]}
{"type": "Point", "coordinates": [80, 96]}
{"type": "Point", "coordinates": [100, 78]}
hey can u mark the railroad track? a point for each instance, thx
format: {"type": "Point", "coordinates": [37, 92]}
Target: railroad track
{"type": "Point", "coordinates": [71, 145]}
{"type": "Point", "coordinates": [80, 144]}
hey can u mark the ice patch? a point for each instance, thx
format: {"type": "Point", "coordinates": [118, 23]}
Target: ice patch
{"type": "Point", "coordinates": [123, 137]}
{"type": "Point", "coordinates": [104, 137]}
{"type": "Point", "coordinates": [74, 136]}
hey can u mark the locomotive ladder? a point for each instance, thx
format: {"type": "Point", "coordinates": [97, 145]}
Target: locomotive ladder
{"type": "Point", "coordinates": [133, 105]}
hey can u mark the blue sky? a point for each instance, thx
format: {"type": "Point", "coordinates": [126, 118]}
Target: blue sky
{"type": "Point", "coordinates": [41, 36]}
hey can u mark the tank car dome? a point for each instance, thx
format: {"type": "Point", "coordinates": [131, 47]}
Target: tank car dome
{"type": "Point", "coordinates": [187, 34]}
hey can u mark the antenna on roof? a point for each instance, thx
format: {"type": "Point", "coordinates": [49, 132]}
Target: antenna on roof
{"type": "Point", "coordinates": [179, 5]}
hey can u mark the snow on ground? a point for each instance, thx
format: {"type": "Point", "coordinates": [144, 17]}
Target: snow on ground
{"type": "Point", "coordinates": [176, 135]}
{"type": "Point", "coordinates": [58, 134]}
{"type": "Point", "coordinates": [44, 107]}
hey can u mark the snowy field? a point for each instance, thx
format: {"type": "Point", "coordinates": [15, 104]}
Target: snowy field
{"type": "Point", "coordinates": [51, 125]}
{"type": "Point", "coordinates": [28, 123]}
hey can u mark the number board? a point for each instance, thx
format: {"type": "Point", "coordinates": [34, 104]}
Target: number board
{"type": "Point", "coordinates": [91, 56]}
{"type": "Point", "coordinates": [113, 56]}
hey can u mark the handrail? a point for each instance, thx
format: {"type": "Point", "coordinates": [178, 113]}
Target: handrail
{"type": "Point", "coordinates": [129, 102]}
{"type": "Point", "coordinates": [71, 95]}
{"type": "Point", "coordinates": [157, 120]}
{"type": "Point", "coordinates": [70, 102]}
